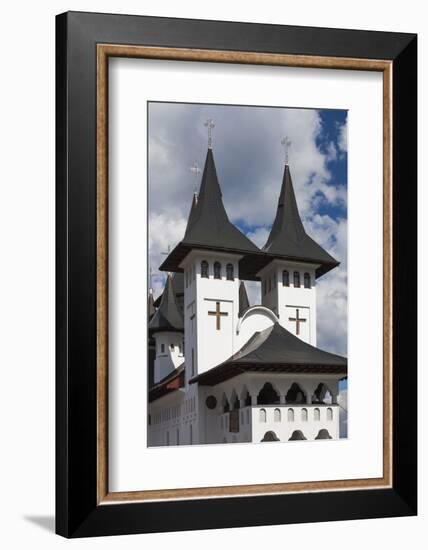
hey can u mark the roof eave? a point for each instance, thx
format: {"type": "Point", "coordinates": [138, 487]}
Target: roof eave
{"type": "Point", "coordinates": [231, 369]}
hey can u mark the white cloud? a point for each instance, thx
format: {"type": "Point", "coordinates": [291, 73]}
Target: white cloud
{"type": "Point", "coordinates": [343, 137]}
{"type": "Point", "coordinates": [332, 289]}
{"type": "Point", "coordinates": [331, 152]}
{"type": "Point", "coordinates": [259, 236]}
{"type": "Point", "coordinates": [165, 232]}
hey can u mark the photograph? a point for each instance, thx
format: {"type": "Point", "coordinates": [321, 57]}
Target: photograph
{"type": "Point", "coordinates": [247, 261]}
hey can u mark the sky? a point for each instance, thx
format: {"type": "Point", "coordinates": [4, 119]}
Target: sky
{"type": "Point", "coordinates": [249, 160]}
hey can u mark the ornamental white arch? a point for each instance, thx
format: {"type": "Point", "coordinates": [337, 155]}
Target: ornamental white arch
{"type": "Point", "coordinates": [256, 309]}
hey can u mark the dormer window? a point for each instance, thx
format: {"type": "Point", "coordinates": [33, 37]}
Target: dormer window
{"type": "Point", "coordinates": [217, 270]}
{"type": "Point", "coordinates": [285, 278]}
{"type": "Point", "coordinates": [296, 279]}
{"type": "Point", "coordinates": [307, 280]}
{"type": "Point", "coordinates": [204, 269]}
{"type": "Point", "coordinates": [229, 272]}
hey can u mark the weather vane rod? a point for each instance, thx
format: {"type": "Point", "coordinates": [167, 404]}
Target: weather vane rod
{"type": "Point", "coordinates": [195, 170]}
{"type": "Point", "coordinates": [286, 142]}
{"type": "Point", "coordinates": [150, 280]}
{"type": "Point", "coordinates": [210, 125]}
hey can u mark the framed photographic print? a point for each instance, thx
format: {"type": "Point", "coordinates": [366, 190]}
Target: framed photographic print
{"type": "Point", "coordinates": [236, 244]}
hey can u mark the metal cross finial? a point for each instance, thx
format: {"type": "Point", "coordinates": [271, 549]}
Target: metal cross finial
{"type": "Point", "coordinates": [195, 171]}
{"type": "Point", "coordinates": [209, 123]}
{"type": "Point", "coordinates": [286, 142]}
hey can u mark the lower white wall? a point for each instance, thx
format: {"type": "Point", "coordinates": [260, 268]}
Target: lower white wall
{"type": "Point", "coordinates": [284, 428]}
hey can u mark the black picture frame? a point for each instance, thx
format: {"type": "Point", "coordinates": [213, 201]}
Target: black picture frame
{"type": "Point", "coordinates": [77, 512]}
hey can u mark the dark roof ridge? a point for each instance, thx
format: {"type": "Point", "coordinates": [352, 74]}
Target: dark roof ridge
{"type": "Point", "coordinates": [278, 350]}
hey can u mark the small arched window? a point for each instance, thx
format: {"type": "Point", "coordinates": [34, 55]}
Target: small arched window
{"type": "Point", "coordinates": [229, 272]}
{"type": "Point", "coordinates": [304, 415]}
{"type": "Point", "coordinates": [204, 269]}
{"type": "Point", "coordinates": [316, 415]}
{"type": "Point", "coordinates": [296, 279]}
{"type": "Point", "coordinates": [262, 415]}
{"type": "Point", "coordinates": [290, 415]}
{"type": "Point", "coordinates": [277, 415]}
{"type": "Point", "coordinates": [307, 280]}
{"type": "Point", "coordinates": [329, 414]}
{"type": "Point", "coordinates": [285, 278]}
{"type": "Point", "coordinates": [217, 270]}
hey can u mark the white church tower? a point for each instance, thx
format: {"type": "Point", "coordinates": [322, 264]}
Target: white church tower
{"type": "Point", "coordinates": [209, 256]}
{"type": "Point", "coordinates": [166, 328]}
{"type": "Point", "coordinates": [289, 279]}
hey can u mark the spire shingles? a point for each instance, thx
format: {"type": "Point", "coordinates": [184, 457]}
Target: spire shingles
{"type": "Point", "coordinates": [288, 237]}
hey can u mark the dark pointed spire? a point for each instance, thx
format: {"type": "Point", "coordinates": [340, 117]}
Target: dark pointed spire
{"type": "Point", "coordinates": [244, 303]}
{"type": "Point", "coordinates": [208, 223]}
{"type": "Point", "coordinates": [288, 237]}
{"type": "Point", "coordinates": [192, 214]}
{"type": "Point", "coordinates": [168, 317]}
{"type": "Point", "coordinates": [177, 280]}
{"type": "Point", "coordinates": [151, 310]}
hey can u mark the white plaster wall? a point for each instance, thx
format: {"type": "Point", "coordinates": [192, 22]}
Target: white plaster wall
{"type": "Point", "coordinates": [212, 346]}
{"type": "Point", "coordinates": [216, 430]}
{"type": "Point", "coordinates": [169, 360]}
{"type": "Point", "coordinates": [171, 415]}
{"type": "Point", "coordinates": [285, 300]}
{"type": "Point", "coordinates": [284, 428]}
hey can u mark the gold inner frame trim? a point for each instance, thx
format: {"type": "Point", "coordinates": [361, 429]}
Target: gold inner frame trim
{"type": "Point", "coordinates": [104, 51]}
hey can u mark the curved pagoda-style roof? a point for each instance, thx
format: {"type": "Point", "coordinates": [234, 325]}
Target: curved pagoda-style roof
{"type": "Point", "coordinates": [168, 317]}
{"type": "Point", "coordinates": [288, 238]}
{"type": "Point", "coordinates": [275, 349]}
{"type": "Point", "coordinates": [208, 225]}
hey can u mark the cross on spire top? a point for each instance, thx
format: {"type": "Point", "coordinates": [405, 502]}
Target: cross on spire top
{"type": "Point", "coordinates": [209, 123]}
{"type": "Point", "coordinates": [286, 142]}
